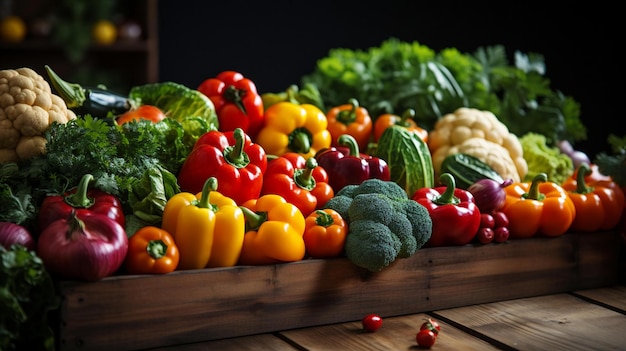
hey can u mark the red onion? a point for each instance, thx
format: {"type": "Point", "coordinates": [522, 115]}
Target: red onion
{"type": "Point", "coordinates": [488, 194]}
{"type": "Point", "coordinates": [11, 233]}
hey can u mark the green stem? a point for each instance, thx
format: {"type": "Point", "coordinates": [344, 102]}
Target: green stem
{"type": "Point", "coordinates": [534, 193]}
{"type": "Point", "coordinates": [324, 219]}
{"type": "Point", "coordinates": [209, 185]}
{"type": "Point", "coordinates": [348, 116]}
{"type": "Point", "coordinates": [79, 199]}
{"type": "Point", "coordinates": [73, 94]}
{"type": "Point", "coordinates": [304, 177]}
{"type": "Point", "coordinates": [254, 220]}
{"type": "Point", "coordinates": [448, 196]}
{"type": "Point", "coordinates": [156, 249]}
{"type": "Point", "coordinates": [581, 186]}
{"type": "Point", "coordinates": [235, 155]}
{"type": "Point", "coordinates": [349, 141]}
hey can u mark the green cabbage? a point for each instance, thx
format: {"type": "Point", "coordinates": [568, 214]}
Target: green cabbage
{"type": "Point", "coordinates": [542, 158]}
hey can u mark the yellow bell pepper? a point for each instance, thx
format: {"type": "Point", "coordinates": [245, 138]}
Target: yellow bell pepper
{"type": "Point", "coordinates": [202, 224]}
{"type": "Point", "coordinates": [274, 231]}
{"type": "Point", "coordinates": [292, 127]}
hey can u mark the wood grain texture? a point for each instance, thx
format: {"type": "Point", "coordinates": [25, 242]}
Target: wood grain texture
{"type": "Point", "coordinates": [553, 322]}
{"type": "Point", "coordinates": [139, 312]}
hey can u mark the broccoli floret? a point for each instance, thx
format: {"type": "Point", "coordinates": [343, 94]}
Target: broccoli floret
{"type": "Point", "coordinates": [340, 203]}
{"type": "Point", "coordinates": [377, 186]}
{"type": "Point", "coordinates": [347, 190]}
{"type": "Point", "coordinates": [371, 245]}
{"type": "Point", "coordinates": [421, 222]}
{"type": "Point", "coordinates": [374, 207]}
{"type": "Point", "coordinates": [402, 227]}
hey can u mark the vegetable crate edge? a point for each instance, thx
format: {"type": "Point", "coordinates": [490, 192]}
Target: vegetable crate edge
{"type": "Point", "coordinates": [146, 311]}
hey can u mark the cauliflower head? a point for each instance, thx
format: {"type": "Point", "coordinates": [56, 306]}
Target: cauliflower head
{"type": "Point", "coordinates": [27, 108]}
{"type": "Point", "coordinates": [480, 134]}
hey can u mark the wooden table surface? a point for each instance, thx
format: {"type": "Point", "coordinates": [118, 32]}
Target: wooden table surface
{"type": "Point", "coordinates": [593, 319]}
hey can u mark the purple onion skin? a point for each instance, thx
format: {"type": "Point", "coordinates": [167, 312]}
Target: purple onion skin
{"type": "Point", "coordinates": [489, 195]}
{"type": "Point", "coordinates": [11, 233]}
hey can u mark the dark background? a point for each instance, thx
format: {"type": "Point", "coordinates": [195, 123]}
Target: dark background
{"type": "Point", "coordinates": [275, 43]}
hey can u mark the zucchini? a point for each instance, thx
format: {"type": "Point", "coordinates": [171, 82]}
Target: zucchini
{"type": "Point", "coordinates": [467, 169]}
{"type": "Point", "coordinates": [408, 157]}
{"type": "Point", "coordinates": [97, 102]}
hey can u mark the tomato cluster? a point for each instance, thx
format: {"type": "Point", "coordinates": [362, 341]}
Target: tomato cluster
{"type": "Point", "coordinates": [493, 228]}
{"type": "Point", "coordinates": [427, 335]}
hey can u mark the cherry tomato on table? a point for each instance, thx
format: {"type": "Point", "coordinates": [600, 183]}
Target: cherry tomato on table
{"type": "Point", "coordinates": [425, 338]}
{"type": "Point", "coordinates": [372, 322]}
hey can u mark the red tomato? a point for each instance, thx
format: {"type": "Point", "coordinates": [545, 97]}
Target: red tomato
{"type": "Point", "coordinates": [487, 220]}
{"type": "Point", "coordinates": [372, 322]}
{"type": "Point", "coordinates": [425, 338]}
{"type": "Point", "coordinates": [431, 324]}
{"type": "Point", "coordinates": [485, 235]}
{"type": "Point", "coordinates": [147, 112]}
{"type": "Point", "coordinates": [500, 218]}
{"type": "Point", "coordinates": [501, 234]}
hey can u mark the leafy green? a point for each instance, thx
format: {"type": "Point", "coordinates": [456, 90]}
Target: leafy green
{"type": "Point", "coordinates": [120, 158]}
{"type": "Point", "coordinates": [27, 295]}
{"type": "Point", "coordinates": [542, 158]}
{"type": "Point", "coordinates": [176, 101]}
{"type": "Point", "coordinates": [400, 75]}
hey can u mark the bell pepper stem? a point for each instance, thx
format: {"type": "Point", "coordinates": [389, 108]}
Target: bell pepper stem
{"type": "Point", "coordinates": [235, 155]}
{"type": "Point", "coordinates": [79, 199]}
{"type": "Point", "coordinates": [73, 94]}
{"type": "Point", "coordinates": [304, 176]}
{"type": "Point", "coordinates": [323, 219]}
{"type": "Point", "coordinates": [209, 185]}
{"type": "Point", "coordinates": [253, 219]}
{"type": "Point", "coordinates": [533, 192]}
{"type": "Point", "coordinates": [348, 116]}
{"type": "Point", "coordinates": [156, 249]}
{"type": "Point", "coordinates": [581, 186]}
{"type": "Point", "coordinates": [300, 140]}
{"type": "Point", "coordinates": [236, 96]}
{"type": "Point", "coordinates": [409, 114]}
{"type": "Point", "coordinates": [448, 195]}
{"type": "Point", "coordinates": [349, 141]}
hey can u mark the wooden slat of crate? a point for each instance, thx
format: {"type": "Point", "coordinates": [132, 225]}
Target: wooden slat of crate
{"type": "Point", "coordinates": [137, 312]}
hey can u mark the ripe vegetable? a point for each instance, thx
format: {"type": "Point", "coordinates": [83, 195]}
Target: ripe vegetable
{"type": "Point", "coordinates": [384, 224]}
{"type": "Point", "coordinates": [544, 158]}
{"type": "Point", "coordinates": [488, 194]}
{"type": "Point", "coordinates": [11, 233]}
{"type": "Point", "coordinates": [143, 112]}
{"type": "Point", "coordinates": [350, 119]}
{"type": "Point", "coordinates": [151, 250]}
{"type": "Point", "coordinates": [467, 170]}
{"type": "Point", "coordinates": [325, 233]}
{"type": "Point", "coordinates": [538, 207]}
{"type": "Point", "coordinates": [480, 134]}
{"type": "Point", "coordinates": [431, 324]}
{"type": "Point", "coordinates": [346, 165]}
{"type": "Point", "coordinates": [455, 216]}
{"type": "Point", "coordinates": [27, 108]}
{"type": "Point", "coordinates": [406, 121]}
{"type": "Point", "coordinates": [85, 246]}
{"type": "Point", "coordinates": [372, 322]}
{"type": "Point", "coordinates": [408, 157]}
{"type": "Point", "coordinates": [232, 158]}
{"type": "Point", "coordinates": [237, 102]}
{"type": "Point", "coordinates": [425, 338]}
{"type": "Point", "coordinates": [274, 230]}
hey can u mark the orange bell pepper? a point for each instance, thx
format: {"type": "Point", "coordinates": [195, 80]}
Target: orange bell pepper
{"type": "Point", "coordinates": [599, 203]}
{"type": "Point", "coordinates": [350, 119]}
{"type": "Point", "coordinates": [406, 121]}
{"type": "Point", "coordinates": [538, 207]}
{"type": "Point", "coordinates": [325, 233]}
{"type": "Point", "coordinates": [274, 230]}
{"type": "Point", "coordinates": [151, 250]}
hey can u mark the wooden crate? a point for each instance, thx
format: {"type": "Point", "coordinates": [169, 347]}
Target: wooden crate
{"type": "Point", "coordinates": [144, 311]}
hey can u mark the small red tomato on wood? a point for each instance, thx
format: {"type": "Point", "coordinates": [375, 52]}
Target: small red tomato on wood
{"type": "Point", "coordinates": [372, 322]}
{"type": "Point", "coordinates": [425, 338]}
{"type": "Point", "coordinates": [431, 324]}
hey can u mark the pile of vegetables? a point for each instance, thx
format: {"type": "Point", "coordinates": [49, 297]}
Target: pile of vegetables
{"type": "Point", "coordinates": [175, 178]}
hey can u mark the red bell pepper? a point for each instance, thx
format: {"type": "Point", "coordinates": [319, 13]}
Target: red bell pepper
{"type": "Point", "coordinates": [81, 199]}
{"type": "Point", "coordinates": [345, 165]}
{"type": "Point", "coordinates": [232, 158]}
{"type": "Point", "coordinates": [454, 213]}
{"type": "Point", "coordinates": [237, 102]}
{"type": "Point", "coordinates": [299, 180]}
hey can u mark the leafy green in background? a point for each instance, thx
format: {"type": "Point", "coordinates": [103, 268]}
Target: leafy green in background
{"type": "Point", "coordinates": [400, 75]}
{"type": "Point", "coordinates": [27, 296]}
{"type": "Point", "coordinates": [614, 165]}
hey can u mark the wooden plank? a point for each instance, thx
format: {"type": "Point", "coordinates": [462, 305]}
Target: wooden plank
{"type": "Point", "coordinates": [138, 312]}
{"type": "Point", "coordinates": [397, 333]}
{"type": "Point", "coordinates": [552, 322]}
{"type": "Point", "coordinates": [242, 343]}
{"type": "Point", "coordinates": [614, 296]}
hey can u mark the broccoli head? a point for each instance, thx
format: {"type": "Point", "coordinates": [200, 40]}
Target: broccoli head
{"type": "Point", "coordinates": [377, 186]}
{"type": "Point", "coordinates": [373, 207]}
{"type": "Point", "coordinates": [371, 245]}
{"type": "Point", "coordinates": [403, 229]}
{"type": "Point", "coordinates": [421, 222]}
